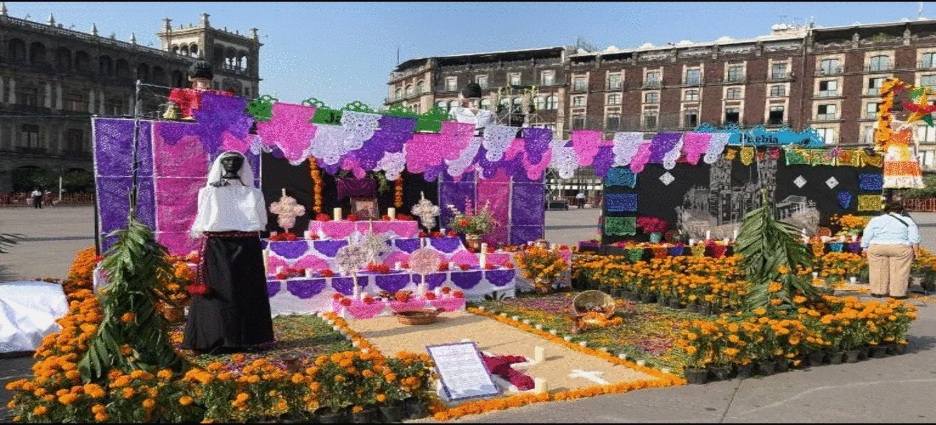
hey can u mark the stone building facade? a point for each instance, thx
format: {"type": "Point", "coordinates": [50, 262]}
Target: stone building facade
{"type": "Point", "coordinates": [53, 80]}
{"type": "Point", "coordinates": [797, 77]}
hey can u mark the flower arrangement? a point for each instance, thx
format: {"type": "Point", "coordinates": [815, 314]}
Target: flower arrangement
{"type": "Point", "coordinates": [849, 224]}
{"type": "Point", "coordinates": [472, 222]}
{"type": "Point", "coordinates": [289, 273]}
{"type": "Point", "coordinates": [651, 224]}
{"type": "Point", "coordinates": [284, 237]}
{"type": "Point", "coordinates": [542, 266]}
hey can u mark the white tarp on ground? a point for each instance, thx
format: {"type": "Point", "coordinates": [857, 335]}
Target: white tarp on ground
{"type": "Point", "coordinates": [28, 311]}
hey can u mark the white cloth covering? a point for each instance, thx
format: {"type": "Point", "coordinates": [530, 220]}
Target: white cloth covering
{"type": "Point", "coordinates": [481, 120]}
{"type": "Point", "coordinates": [235, 207]}
{"type": "Point", "coordinates": [28, 311]}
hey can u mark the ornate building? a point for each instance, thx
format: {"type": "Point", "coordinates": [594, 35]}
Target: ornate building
{"type": "Point", "coordinates": [53, 79]}
{"type": "Point", "coordinates": [795, 76]}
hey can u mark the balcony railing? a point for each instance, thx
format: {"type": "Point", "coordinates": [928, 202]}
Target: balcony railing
{"type": "Point", "coordinates": [774, 76]}
{"type": "Point", "coordinates": [652, 84]}
{"type": "Point", "coordinates": [833, 70]}
{"type": "Point", "coordinates": [879, 67]}
{"type": "Point", "coordinates": [869, 115]}
{"type": "Point", "coordinates": [828, 93]}
{"type": "Point", "coordinates": [692, 81]}
{"type": "Point", "coordinates": [734, 97]}
{"type": "Point", "coordinates": [826, 117]}
{"type": "Point", "coordinates": [872, 91]}
{"type": "Point", "coordinates": [579, 87]}
{"type": "Point", "coordinates": [777, 123]}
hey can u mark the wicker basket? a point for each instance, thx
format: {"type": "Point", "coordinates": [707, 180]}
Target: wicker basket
{"type": "Point", "coordinates": [417, 317]}
{"type": "Point", "coordinates": [594, 301]}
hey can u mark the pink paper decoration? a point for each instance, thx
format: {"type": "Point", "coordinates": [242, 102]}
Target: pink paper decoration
{"type": "Point", "coordinates": [185, 158]}
{"type": "Point", "coordinates": [289, 129]}
{"type": "Point", "coordinates": [586, 144]}
{"type": "Point", "coordinates": [535, 171]}
{"type": "Point", "coordinates": [694, 145]}
{"type": "Point", "coordinates": [641, 158]}
{"type": "Point", "coordinates": [233, 143]}
{"type": "Point", "coordinates": [428, 150]}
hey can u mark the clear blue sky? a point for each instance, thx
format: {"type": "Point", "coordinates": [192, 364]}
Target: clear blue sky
{"type": "Point", "coordinates": [341, 52]}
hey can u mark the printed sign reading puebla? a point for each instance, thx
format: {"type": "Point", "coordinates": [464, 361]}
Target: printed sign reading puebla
{"type": "Point", "coordinates": [759, 136]}
{"type": "Point", "coordinates": [462, 371]}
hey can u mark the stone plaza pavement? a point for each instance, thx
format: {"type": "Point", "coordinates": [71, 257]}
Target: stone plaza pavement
{"type": "Point", "coordinates": [890, 389]}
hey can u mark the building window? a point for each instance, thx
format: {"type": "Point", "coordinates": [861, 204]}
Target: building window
{"type": "Point", "coordinates": [75, 140]}
{"type": "Point", "coordinates": [926, 134]}
{"type": "Point", "coordinates": [827, 135]}
{"type": "Point", "coordinates": [399, 92]}
{"type": "Point", "coordinates": [614, 99]}
{"type": "Point", "coordinates": [732, 115]}
{"type": "Point", "coordinates": [612, 122]}
{"type": "Point", "coordinates": [691, 95]}
{"type": "Point", "coordinates": [551, 102]}
{"type": "Point", "coordinates": [539, 103]}
{"type": "Point", "coordinates": [733, 93]}
{"type": "Point", "coordinates": [29, 136]}
{"type": "Point", "coordinates": [735, 73]}
{"type": "Point", "coordinates": [653, 79]}
{"type": "Point", "coordinates": [874, 85]}
{"type": "Point", "coordinates": [579, 83]}
{"type": "Point", "coordinates": [828, 88]}
{"type": "Point", "coordinates": [578, 122]}
{"type": "Point", "coordinates": [482, 81]}
{"type": "Point", "coordinates": [514, 78]}
{"type": "Point", "coordinates": [650, 120]}
{"type": "Point", "coordinates": [691, 118]}
{"type": "Point", "coordinates": [578, 100]}
{"type": "Point", "coordinates": [928, 81]}
{"type": "Point", "coordinates": [28, 96]}
{"type": "Point", "coordinates": [829, 67]}
{"type": "Point", "coordinates": [451, 83]}
{"type": "Point", "coordinates": [775, 115]}
{"type": "Point", "coordinates": [443, 105]}
{"type": "Point", "coordinates": [75, 103]}
{"type": "Point", "coordinates": [410, 90]}
{"type": "Point", "coordinates": [868, 137]}
{"type": "Point", "coordinates": [614, 82]}
{"type": "Point", "coordinates": [485, 104]}
{"type": "Point", "coordinates": [778, 70]}
{"type": "Point", "coordinates": [420, 86]}
{"type": "Point", "coordinates": [693, 77]}
{"type": "Point", "coordinates": [871, 110]}
{"type": "Point", "coordinates": [778, 91]}
{"type": "Point", "coordinates": [652, 97]}
{"type": "Point", "coordinates": [927, 61]}
{"type": "Point", "coordinates": [825, 112]}
{"type": "Point", "coordinates": [879, 63]}
{"type": "Point", "coordinates": [547, 78]}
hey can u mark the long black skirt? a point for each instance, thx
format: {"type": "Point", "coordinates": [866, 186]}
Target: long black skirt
{"type": "Point", "coordinates": [235, 313]}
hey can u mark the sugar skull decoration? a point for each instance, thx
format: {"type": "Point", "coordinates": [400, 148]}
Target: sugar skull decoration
{"type": "Point", "coordinates": [426, 211]}
{"type": "Point", "coordinates": [287, 210]}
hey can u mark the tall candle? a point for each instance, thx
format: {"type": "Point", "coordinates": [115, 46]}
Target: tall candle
{"type": "Point", "coordinates": [337, 214]}
{"type": "Point", "coordinates": [708, 234]}
{"type": "Point", "coordinates": [392, 213]}
{"type": "Point", "coordinates": [691, 242]}
{"type": "Point", "coordinates": [483, 259]}
{"type": "Point", "coordinates": [357, 289]}
{"type": "Point", "coordinates": [307, 234]}
{"type": "Point", "coordinates": [735, 237]}
{"type": "Point", "coordinates": [539, 354]}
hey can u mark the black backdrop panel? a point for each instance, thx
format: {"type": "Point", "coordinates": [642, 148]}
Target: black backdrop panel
{"type": "Point", "coordinates": [278, 173]}
{"type": "Point", "coordinates": [738, 191]}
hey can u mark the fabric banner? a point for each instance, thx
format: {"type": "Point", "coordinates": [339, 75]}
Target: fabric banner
{"type": "Point", "coordinates": [496, 191]}
{"type": "Point", "coordinates": [113, 202]}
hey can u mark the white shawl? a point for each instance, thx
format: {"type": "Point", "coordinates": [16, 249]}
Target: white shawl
{"type": "Point", "coordinates": [239, 206]}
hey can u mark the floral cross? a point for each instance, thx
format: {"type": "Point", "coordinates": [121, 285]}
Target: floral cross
{"type": "Point", "coordinates": [426, 211]}
{"type": "Point", "coordinates": [287, 210]}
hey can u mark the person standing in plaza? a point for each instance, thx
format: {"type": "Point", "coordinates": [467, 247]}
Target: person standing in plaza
{"type": "Point", "coordinates": [36, 196]}
{"type": "Point", "coordinates": [891, 241]}
{"type": "Point", "coordinates": [580, 199]}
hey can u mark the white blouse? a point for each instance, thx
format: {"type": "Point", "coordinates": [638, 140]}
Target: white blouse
{"type": "Point", "coordinates": [481, 120]}
{"type": "Point", "coordinates": [230, 208]}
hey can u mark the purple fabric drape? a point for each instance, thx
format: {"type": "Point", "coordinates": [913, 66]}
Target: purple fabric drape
{"type": "Point", "coordinates": [446, 245]}
{"type": "Point", "coordinates": [114, 147]}
{"type": "Point", "coordinates": [500, 277]}
{"type": "Point", "coordinates": [454, 193]}
{"type": "Point", "coordinates": [356, 188]}
{"type": "Point", "coordinates": [329, 248]}
{"type": "Point", "coordinates": [407, 245]}
{"type": "Point", "coordinates": [496, 190]}
{"type": "Point", "coordinates": [466, 280]}
{"type": "Point", "coordinates": [305, 288]}
{"type": "Point", "coordinates": [536, 142]}
{"type": "Point", "coordinates": [603, 160]}
{"type": "Point", "coordinates": [273, 288]}
{"type": "Point", "coordinates": [661, 144]}
{"type": "Point", "coordinates": [527, 204]}
{"type": "Point", "coordinates": [114, 203]}
{"type": "Point", "coordinates": [290, 249]}
{"type": "Point", "coordinates": [520, 235]}
{"type": "Point", "coordinates": [392, 282]}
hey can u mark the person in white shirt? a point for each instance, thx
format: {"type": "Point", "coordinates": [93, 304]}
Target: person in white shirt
{"type": "Point", "coordinates": [230, 308]}
{"type": "Point", "coordinates": [891, 241]}
{"type": "Point", "coordinates": [468, 111]}
{"type": "Point", "coordinates": [581, 199]}
{"type": "Point", "coordinates": [36, 196]}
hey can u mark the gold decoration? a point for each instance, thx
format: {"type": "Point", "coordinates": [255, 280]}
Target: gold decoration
{"type": "Point", "coordinates": [747, 155]}
{"type": "Point", "coordinates": [869, 202]}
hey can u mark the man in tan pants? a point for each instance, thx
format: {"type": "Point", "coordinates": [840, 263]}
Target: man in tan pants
{"type": "Point", "coordinates": [891, 241]}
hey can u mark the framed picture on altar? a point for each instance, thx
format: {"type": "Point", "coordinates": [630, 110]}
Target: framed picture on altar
{"type": "Point", "coordinates": [365, 208]}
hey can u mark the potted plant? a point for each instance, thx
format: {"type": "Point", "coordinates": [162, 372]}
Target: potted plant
{"type": "Point", "coordinates": [652, 226]}
{"type": "Point", "coordinates": [543, 267]}
{"type": "Point", "coordinates": [473, 224]}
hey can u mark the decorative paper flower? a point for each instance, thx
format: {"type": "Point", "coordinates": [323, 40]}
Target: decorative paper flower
{"type": "Point", "coordinates": [427, 212]}
{"type": "Point", "coordinates": [424, 261]}
{"type": "Point", "coordinates": [375, 244]}
{"type": "Point", "coordinates": [351, 258]}
{"type": "Point", "coordinates": [287, 209]}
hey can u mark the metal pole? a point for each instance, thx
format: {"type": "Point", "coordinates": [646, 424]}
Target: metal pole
{"type": "Point", "coordinates": [136, 142]}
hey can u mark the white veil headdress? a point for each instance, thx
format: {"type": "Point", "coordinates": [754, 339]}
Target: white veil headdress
{"type": "Point", "coordinates": [245, 174]}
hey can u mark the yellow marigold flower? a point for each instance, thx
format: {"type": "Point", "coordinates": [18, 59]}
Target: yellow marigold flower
{"type": "Point", "coordinates": [237, 358]}
{"type": "Point", "coordinates": [98, 408]}
{"type": "Point", "coordinates": [760, 311]}
{"type": "Point", "coordinates": [128, 392]}
{"type": "Point", "coordinates": [164, 374]}
{"type": "Point", "coordinates": [381, 398]}
{"type": "Point", "coordinates": [731, 352]}
{"type": "Point", "coordinates": [215, 366]}
{"type": "Point", "coordinates": [186, 400]}
{"type": "Point", "coordinates": [242, 397]}
{"type": "Point", "coordinates": [149, 403]}
{"type": "Point", "coordinates": [40, 410]}
{"type": "Point", "coordinates": [127, 317]}
{"type": "Point", "coordinates": [690, 349]}
{"type": "Point", "coordinates": [100, 417]}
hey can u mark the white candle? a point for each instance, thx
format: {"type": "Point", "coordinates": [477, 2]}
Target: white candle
{"type": "Point", "coordinates": [308, 273]}
{"type": "Point", "coordinates": [266, 259]}
{"type": "Point", "coordinates": [396, 265]}
{"type": "Point", "coordinates": [392, 213]}
{"type": "Point", "coordinates": [540, 386]}
{"type": "Point", "coordinates": [272, 234]}
{"type": "Point", "coordinates": [854, 280]}
{"type": "Point", "coordinates": [337, 214]}
{"type": "Point", "coordinates": [692, 241]}
{"type": "Point", "coordinates": [854, 238]}
{"type": "Point", "coordinates": [727, 241]}
{"type": "Point", "coordinates": [539, 354]}
{"type": "Point", "coordinates": [708, 234]}
{"type": "Point", "coordinates": [815, 275]}
{"type": "Point", "coordinates": [438, 291]}
{"type": "Point", "coordinates": [307, 234]}
{"type": "Point", "coordinates": [483, 259]}
{"type": "Point", "coordinates": [422, 195]}
{"type": "Point", "coordinates": [735, 237]}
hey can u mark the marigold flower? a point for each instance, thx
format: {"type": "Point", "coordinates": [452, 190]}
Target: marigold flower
{"type": "Point", "coordinates": [127, 317]}
{"type": "Point", "coordinates": [186, 400]}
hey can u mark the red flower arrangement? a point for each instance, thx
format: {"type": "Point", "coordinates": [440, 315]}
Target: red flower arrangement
{"type": "Point", "coordinates": [489, 266]}
{"type": "Point", "coordinates": [443, 266]}
{"type": "Point", "coordinates": [446, 289]}
{"type": "Point", "coordinates": [464, 266]}
{"type": "Point", "coordinates": [404, 266]}
{"type": "Point", "coordinates": [458, 294]}
{"type": "Point", "coordinates": [326, 273]}
{"type": "Point", "coordinates": [437, 235]}
{"type": "Point", "coordinates": [284, 237]}
{"type": "Point", "coordinates": [368, 300]}
{"type": "Point", "coordinates": [452, 233]}
{"type": "Point", "coordinates": [290, 272]}
{"type": "Point", "coordinates": [351, 217]}
{"type": "Point", "coordinates": [423, 234]}
{"type": "Point", "coordinates": [322, 217]}
{"type": "Point", "coordinates": [430, 296]}
{"type": "Point", "coordinates": [198, 289]}
{"type": "Point", "coordinates": [385, 218]}
{"type": "Point", "coordinates": [651, 224]}
{"type": "Point", "coordinates": [337, 296]}
{"type": "Point", "coordinates": [345, 302]}
{"type": "Point", "coordinates": [401, 216]}
{"type": "Point", "coordinates": [509, 265]}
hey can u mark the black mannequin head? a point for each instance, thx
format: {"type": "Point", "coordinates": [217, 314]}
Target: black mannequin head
{"type": "Point", "coordinates": [232, 165]}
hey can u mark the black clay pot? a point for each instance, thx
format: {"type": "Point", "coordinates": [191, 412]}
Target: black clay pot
{"type": "Point", "coordinates": [706, 310]}
{"type": "Point", "coordinates": [393, 412]}
{"type": "Point", "coordinates": [767, 367]}
{"type": "Point", "coordinates": [900, 348]}
{"type": "Point", "coordinates": [292, 418]}
{"type": "Point", "coordinates": [416, 408]}
{"type": "Point", "coordinates": [878, 351]}
{"type": "Point", "coordinates": [696, 375]}
{"type": "Point", "coordinates": [745, 370]}
{"type": "Point", "coordinates": [616, 292]}
{"type": "Point", "coordinates": [606, 289]}
{"type": "Point", "coordinates": [365, 416]}
{"type": "Point", "coordinates": [674, 303]}
{"type": "Point", "coordinates": [721, 373]}
{"type": "Point", "coordinates": [863, 352]}
{"type": "Point", "coordinates": [816, 358]}
{"type": "Point", "coordinates": [662, 301]}
{"type": "Point", "coordinates": [851, 356]}
{"type": "Point", "coordinates": [327, 416]}
{"type": "Point", "coordinates": [835, 357]}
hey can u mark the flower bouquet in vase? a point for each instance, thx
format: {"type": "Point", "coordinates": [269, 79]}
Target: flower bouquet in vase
{"type": "Point", "coordinates": [472, 223]}
{"type": "Point", "coordinates": [652, 226]}
{"type": "Point", "coordinates": [542, 266]}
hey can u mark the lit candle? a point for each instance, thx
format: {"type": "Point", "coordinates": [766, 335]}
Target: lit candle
{"type": "Point", "coordinates": [337, 214]}
{"type": "Point", "coordinates": [438, 291]}
{"type": "Point", "coordinates": [708, 234]}
{"type": "Point", "coordinates": [727, 241]}
{"type": "Point", "coordinates": [307, 234]}
{"type": "Point", "coordinates": [392, 213]}
{"type": "Point", "coordinates": [357, 289]}
{"type": "Point", "coordinates": [692, 241]}
{"type": "Point", "coordinates": [854, 280]}
{"type": "Point", "coordinates": [854, 238]}
{"type": "Point", "coordinates": [308, 273]}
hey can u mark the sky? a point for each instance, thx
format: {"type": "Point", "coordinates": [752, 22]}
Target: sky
{"type": "Point", "coordinates": [341, 52]}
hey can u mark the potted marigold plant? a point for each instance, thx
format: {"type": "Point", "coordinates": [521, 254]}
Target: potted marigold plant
{"type": "Point", "coordinates": [542, 266]}
{"type": "Point", "coordinates": [652, 226]}
{"type": "Point", "coordinates": [473, 224]}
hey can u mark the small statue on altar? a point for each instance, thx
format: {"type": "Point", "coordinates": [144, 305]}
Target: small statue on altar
{"type": "Point", "coordinates": [468, 109]}
{"type": "Point", "coordinates": [901, 166]}
{"type": "Point", "coordinates": [200, 76]}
